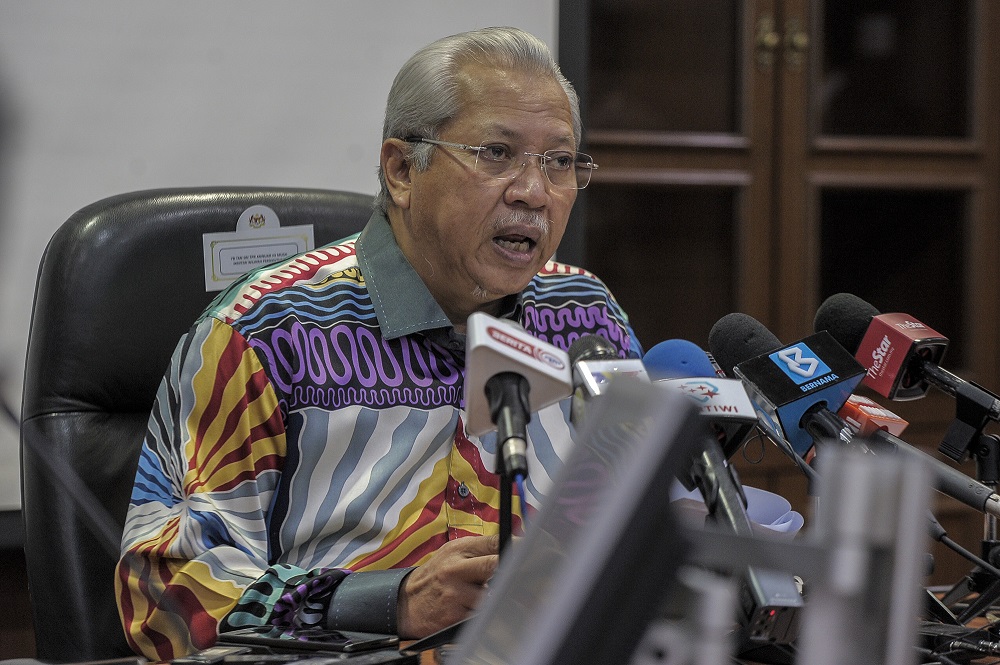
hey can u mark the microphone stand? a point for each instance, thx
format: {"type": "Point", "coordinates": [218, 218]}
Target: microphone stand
{"type": "Point", "coordinates": [988, 473]}
{"type": "Point", "coordinates": [507, 393]}
{"type": "Point", "coordinates": [986, 452]}
{"type": "Point", "coordinates": [723, 497]}
{"type": "Point", "coordinates": [974, 408]}
{"type": "Point", "coordinates": [768, 601]}
{"type": "Point", "coordinates": [506, 499]}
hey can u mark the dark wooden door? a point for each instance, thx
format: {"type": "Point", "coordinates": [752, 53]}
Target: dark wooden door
{"type": "Point", "coordinates": [761, 155]}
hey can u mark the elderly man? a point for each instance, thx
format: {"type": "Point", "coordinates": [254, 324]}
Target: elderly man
{"type": "Point", "coordinates": [306, 461]}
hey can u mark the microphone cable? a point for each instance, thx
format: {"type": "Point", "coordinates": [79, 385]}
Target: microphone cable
{"type": "Point", "coordinates": [931, 657]}
{"type": "Point", "coordinates": [519, 482]}
{"type": "Point", "coordinates": [785, 447]}
{"type": "Point", "coordinates": [977, 642]}
{"type": "Point", "coordinates": [961, 551]}
{"type": "Point", "coordinates": [939, 534]}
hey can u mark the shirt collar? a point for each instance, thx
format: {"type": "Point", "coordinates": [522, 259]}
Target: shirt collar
{"type": "Point", "coordinates": [403, 304]}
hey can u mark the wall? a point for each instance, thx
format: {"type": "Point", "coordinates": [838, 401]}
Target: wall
{"type": "Point", "coordinates": [108, 96]}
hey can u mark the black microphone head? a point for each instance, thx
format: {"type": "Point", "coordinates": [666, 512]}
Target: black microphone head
{"type": "Point", "coordinates": [846, 317]}
{"type": "Point", "coordinates": [591, 347]}
{"type": "Point", "coordinates": [737, 337]}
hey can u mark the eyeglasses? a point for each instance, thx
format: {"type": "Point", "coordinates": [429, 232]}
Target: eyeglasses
{"type": "Point", "coordinates": [563, 168]}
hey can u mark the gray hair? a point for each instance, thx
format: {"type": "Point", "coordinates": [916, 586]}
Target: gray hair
{"type": "Point", "coordinates": [424, 95]}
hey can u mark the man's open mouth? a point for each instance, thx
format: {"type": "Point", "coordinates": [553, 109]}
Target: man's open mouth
{"type": "Point", "coordinates": [515, 243]}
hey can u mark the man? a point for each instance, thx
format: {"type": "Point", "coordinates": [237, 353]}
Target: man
{"type": "Point", "coordinates": [306, 460]}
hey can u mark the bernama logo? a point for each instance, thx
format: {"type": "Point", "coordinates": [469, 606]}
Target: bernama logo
{"type": "Point", "coordinates": [879, 356]}
{"type": "Point", "coordinates": [527, 348]}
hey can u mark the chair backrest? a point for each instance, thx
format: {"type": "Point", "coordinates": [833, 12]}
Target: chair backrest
{"type": "Point", "coordinates": [118, 284]}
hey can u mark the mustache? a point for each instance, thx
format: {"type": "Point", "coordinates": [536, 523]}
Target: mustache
{"type": "Point", "coordinates": [529, 218]}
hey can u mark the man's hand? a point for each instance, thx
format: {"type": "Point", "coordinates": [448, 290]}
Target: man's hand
{"type": "Point", "coordinates": [448, 587]}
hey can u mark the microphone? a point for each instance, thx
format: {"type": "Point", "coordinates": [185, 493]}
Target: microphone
{"type": "Point", "coordinates": [881, 429]}
{"type": "Point", "coordinates": [509, 375]}
{"type": "Point", "coordinates": [948, 480]}
{"type": "Point", "coordinates": [769, 601]}
{"type": "Point", "coordinates": [796, 388]}
{"type": "Point", "coordinates": [895, 349]}
{"type": "Point", "coordinates": [679, 359]}
{"type": "Point", "coordinates": [683, 366]}
{"type": "Point", "coordinates": [596, 365]}
{"type": "Point", "coordinates": [865, 416]}
{"type": "Point", "coordinates": [901, 356]}
{"type": "Point", "coordinates": [588, 348]}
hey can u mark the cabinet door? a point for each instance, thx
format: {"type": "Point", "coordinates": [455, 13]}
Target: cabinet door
{"type": "Point", "coordinates": [888, 190]}
{"type": "Point", "coordinates": [677, 219]}
{"type": "Point", "coordinates": [884, 144]}
{"type": "Point", "coordinates": [761, 155]}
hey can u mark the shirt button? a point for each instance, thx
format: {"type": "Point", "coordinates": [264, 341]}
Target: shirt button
{"type": "Point", "coordinates": [463, 490]}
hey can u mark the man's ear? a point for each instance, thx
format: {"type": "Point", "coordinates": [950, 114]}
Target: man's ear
{"type": "Point", "coordinates": [396, 169]}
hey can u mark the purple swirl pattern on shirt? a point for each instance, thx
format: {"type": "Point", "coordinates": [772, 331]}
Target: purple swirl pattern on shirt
{"type": "Point", "coordinates": [335, 398]}
{"type": "Point", "coordinates": [346, 365]}
{"type": "Point", "coordinates": [561, 327]}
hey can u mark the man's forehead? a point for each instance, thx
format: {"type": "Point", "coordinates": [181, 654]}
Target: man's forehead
{"type": "Point", "coordinates": [478, 79]}
{"type": "Point", "coordinates": [526, 109]}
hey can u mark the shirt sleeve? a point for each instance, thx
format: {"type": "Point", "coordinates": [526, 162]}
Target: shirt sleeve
{"type": "Point", "coordinates": [196, 531]}
{"type": "Point", "coordinates": [195, 548]}
{"type": "Point", "coordinates": [289, 597]}
{"type": "Point", "coordinates": [367, 601]}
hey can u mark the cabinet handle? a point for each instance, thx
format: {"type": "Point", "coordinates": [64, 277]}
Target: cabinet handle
{"type": "Point", "coordinates": [796, 42]}
{"type": "Point", "coordinates": [767, 41]}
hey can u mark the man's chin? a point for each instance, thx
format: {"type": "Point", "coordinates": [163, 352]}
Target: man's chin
{"type": "Point", "coordinates": [501, 289]}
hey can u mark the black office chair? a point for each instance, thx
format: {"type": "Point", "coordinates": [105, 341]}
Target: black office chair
{"type": "Point", "coordinates": [118, 285]}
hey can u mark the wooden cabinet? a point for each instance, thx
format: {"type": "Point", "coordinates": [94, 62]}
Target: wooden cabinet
{"type": "Point", "coordinates": [761, 155]}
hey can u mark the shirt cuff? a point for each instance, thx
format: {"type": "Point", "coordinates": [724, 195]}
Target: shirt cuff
{"type": "Point", "coordinates": [366, 601]}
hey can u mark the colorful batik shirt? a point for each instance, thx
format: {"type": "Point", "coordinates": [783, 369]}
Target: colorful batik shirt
{"type": "Point", "coordinates": [312, 420]}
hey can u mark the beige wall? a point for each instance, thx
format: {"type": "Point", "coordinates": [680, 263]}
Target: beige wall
{"type": "Point", "coordinates": [110, 96]}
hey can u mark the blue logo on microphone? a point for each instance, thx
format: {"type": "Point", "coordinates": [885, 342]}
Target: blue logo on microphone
{"type": "Point", "coordinates": [799, 363]}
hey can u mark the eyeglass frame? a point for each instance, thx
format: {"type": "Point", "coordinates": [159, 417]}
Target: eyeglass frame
{"type": "Point", "coordinates": [543, 158]}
